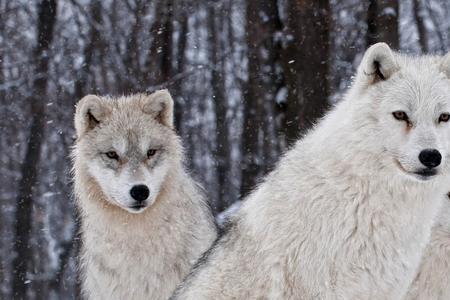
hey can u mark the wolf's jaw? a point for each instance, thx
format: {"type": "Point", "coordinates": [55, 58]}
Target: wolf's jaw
{"type": "Point", "coordinates": [421, 175]}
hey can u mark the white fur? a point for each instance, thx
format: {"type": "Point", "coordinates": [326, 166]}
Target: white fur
{"type": "Point", "coordinates": [135, 253]}
{"type": "Point", "coordinates": [433, 278]}
{"type": "Point", "coordinates": [344, 215]}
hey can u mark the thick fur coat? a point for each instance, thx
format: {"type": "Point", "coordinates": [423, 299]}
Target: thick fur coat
{"type": "Point", "coordinates": [135, 250]}
{"type": "Point", "coordinates": [433, 278]}
{"type": "Point", "coordinates": [348, 210]}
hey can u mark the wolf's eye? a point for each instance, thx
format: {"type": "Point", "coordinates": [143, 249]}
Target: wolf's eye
{"type": "Point", "coordinates": [151, 152]}
{"type": "Point", "coordinates": [444, 117]}
{"type": "Point", "coordinates": [400, 115]}
{"type": "Point", "coordinates": [112, 155]}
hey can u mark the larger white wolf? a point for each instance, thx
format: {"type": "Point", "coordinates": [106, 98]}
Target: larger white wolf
{"type": "Point", "coordinates": [144, 220]}
{"type": "Point", "coordinates": [348, 211]}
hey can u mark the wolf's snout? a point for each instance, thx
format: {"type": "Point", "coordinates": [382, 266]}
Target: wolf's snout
{"type": "Point", "coordinates": [430, 158]}
{"type": "Point", "coordinates": [139, 192]}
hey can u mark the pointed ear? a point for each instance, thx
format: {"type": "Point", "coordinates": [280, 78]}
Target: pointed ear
{"type": "Point", "coordinates": [378, 64]}
{"type": "Point", "coordinates": [445, 64]}
{"type": "Point", "coordinates": [90, 111]}
{"type": "Point", "coordinates": [160, 106]}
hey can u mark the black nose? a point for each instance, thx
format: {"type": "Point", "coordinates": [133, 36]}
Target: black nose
{"type": "Point", "coordinates": [139, 192]}
{"type": "Point", "coordinates": [430, 158]}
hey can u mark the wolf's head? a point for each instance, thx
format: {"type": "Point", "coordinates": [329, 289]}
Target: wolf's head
{"type": "Point", "coordinates": [409, 100]}
{"type": "Point", "coordinates": [128, 145]}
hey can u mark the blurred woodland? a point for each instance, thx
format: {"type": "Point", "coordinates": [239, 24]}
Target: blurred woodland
{"type": "Point", "coordinates": [248, 78]}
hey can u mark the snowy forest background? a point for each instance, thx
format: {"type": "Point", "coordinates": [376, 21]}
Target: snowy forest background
{"type": "Point", "coordinates": [248, 77]}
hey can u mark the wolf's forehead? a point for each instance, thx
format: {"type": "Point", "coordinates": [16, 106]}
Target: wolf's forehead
{"type": "Point", "coordinates": [426, 91]}
{"type": "Point", "coordinates": [120, 144]}
{"type": "Point", "coordinates": [136, 140]}
{"type": "Point", "coordinates": [126, 140]}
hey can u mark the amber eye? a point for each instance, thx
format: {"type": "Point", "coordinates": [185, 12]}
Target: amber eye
{"type": "Point", "coordinates": [151, 152]}
{"type": "Point", "coordinates": [112, 155]}
{"type": "Point", "coordinates": [444, 117]}
{"type": "Point", "coordinates": [400, 115]}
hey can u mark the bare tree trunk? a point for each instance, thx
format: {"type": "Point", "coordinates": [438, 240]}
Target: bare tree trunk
{"type": "Point", "coordinates": [3, 8]}
{"type": "Point", "coordinates": [159, 60]}
{"type": "Point", "coordinates": [2, 233]}
{"type": "Point", "coordinates": [3, 16]}
{"type": "Point", "coordinates": [382, 22]}
{"type": "Point", "coordinates": [131, 60]}
{"type": "Point", "coordinates": [305, 64]}
{"type": "Point", "coordinates": [2, 47]}
{"type": "Point", "coordinates": [421, 30]}
{"type": "Point", "coordinates": [29, 169]}
{"type": "Point", "coordinates": [77, 250]}
{"type": "Point", "coordinates": [56, 284]}
{"type": "Point", "coordinates": [90, 47]}
{"type": "Point", "coordinates": [264, 81]}
{"type": "Point", "coordinates": [181, 61]}
{"type": "Point", "coordinates": [2, 96]}
{"type": "Point", "coordinates": [222, 150]}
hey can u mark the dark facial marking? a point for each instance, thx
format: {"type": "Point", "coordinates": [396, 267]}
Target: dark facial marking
{"type": "Point", "coordinates": [112, 155]}
{"type": "Point", "coordinates": [92, 121]}
{"type": "Point", "coordinates": [444, 117]}
{"type": "Point", "coordinates": [378, 71]}
{"type": "Point", "coordinates": [151, 152]}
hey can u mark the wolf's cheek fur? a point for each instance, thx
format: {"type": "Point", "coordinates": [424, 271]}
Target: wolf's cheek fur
{"type": "Point", "coordinates": [106, 178]}
{"type": "Point", "coordinates": [409, 145]}
{"type": "Point", "coordinates": [154, 179]}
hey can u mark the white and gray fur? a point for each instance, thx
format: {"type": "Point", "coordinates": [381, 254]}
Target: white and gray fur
{"type": "Point", "coordinates": [347, 212]}
{"type": "Point", "coordinates": [433, 277]}
{"type": "Point", "coordinates": [134, 252]}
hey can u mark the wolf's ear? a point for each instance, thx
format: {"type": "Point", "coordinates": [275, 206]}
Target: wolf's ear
{"type": "Point", "coordinates": [445, 64]}
{"type": "Point", "coordinates": [378, 64]}
{"type": "Point", "coordinates": [160, 106]}
{"type": "Point", "coordinates": [90, 111]}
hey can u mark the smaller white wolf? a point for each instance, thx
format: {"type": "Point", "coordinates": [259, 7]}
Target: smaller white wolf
{"type": "Point", "coordinates": [433, 278]}
{"type": "Point", "coordinates": [144, 220]}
